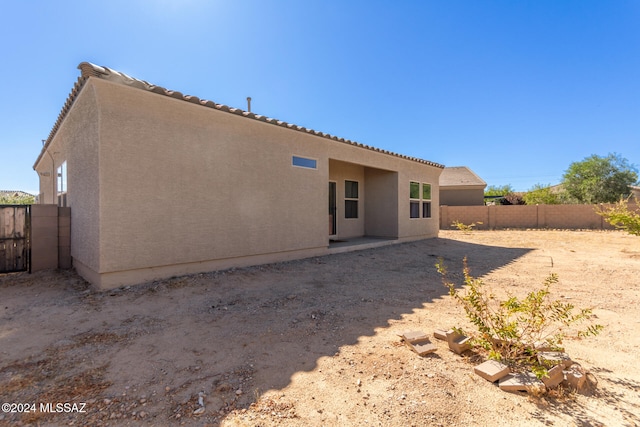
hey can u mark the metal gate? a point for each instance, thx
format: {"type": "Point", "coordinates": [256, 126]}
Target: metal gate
{"type": "Point", "coordinates": [15, 238]}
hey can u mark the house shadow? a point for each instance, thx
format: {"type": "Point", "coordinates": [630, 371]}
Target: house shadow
{"type": "Point", "coordinates": [239, 333]}
{"type": "Point", "coordinates": [271, 322]}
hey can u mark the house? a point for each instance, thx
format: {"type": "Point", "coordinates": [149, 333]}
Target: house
{"type": "Point", "coordinates": [162, 184]}
{"type": "Point", "coordinates": [460, 186]}
{"type": "Point", "coordinates": [16, 194]}
{"type": "Point", "coordinates": [635, 192]}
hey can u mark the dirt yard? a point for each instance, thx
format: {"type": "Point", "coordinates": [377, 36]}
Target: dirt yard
{"type": "Point", "coordinates": [315, 342]}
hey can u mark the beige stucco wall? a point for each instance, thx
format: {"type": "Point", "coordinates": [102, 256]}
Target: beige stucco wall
{"type": "Point", "coordinates": [339, 173]}
{"type": "Point", "coordinates": [381, 206]}
{"type": "Point", "coordinates": [76, 142]}
{"type": "Point", "coordinates": [414, 228]}
{"type": "Point", "coordinates": [159, 186]}
{"type": "Point", "coordinates": [182, 183]}
{"type": "Point", "coordinates": [462, 196]}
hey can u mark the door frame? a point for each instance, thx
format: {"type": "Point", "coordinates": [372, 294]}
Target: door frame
{"type": "Point", "coordinates": [333, 208]}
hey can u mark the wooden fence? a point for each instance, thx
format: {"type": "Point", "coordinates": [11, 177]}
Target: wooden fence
{"type": "Point", "coordinates": [14, 238]}
{"type": "Point", "coordinates": [34, 237]}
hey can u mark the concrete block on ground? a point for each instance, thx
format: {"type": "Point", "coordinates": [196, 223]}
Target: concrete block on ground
{"type": "Point", "coordinates": [553, 358]}
{"type": "Point", "coordinates": [492, 370]}
{"type": "Point", "coordinates": [458, 343]}
{"type": "Point", "coordinates": [422, 347]}
{"type": "Point", "coordinates": [522, 381]}
{"type": "Point", "coordinates": [440, 334]}
{"type": "Point", "coordinates": [411, 336]}
{"type": "Point", "coordinates": [554, 377]}
{"type": "Point", "coordinates": [575, 377]}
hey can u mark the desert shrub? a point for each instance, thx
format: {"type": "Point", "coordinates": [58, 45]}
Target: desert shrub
{"type": "Point", "coordinates": [514, 330]}
{"type": "Point", "coordinates": [620, 216]}
{"type": "Point", "coordinates": [464, 227]}
{"type": "Point", "coordinates": [513, 199]}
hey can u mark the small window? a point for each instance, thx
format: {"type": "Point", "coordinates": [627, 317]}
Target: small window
{"type": "Point", "coordinates": [61, 184]}
{"type": "Point", "coordinates": [414, 190]}
{"type": "Point", "coordinates": [414, 209]}
{"type": "Point", "coordinates": [351, 189]}
{"type": "Point", "coordinates": [351, 199]}
{"type": "Point", "coordinates": [426, 209]}
{"type": "Point", "coordinates": [62, 178]}
{"type": "Point", "coordinates": [351, 209]}
{"type": "Point", "coordinates": [418, 198]}
{"type": "Point", "coordinates": [426, 191]}
{"type": "Point", "coordinates": [303, 162]}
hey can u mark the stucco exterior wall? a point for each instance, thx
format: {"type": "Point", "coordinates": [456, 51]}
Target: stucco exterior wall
{"type": "Point", "coordinates": [462, 196]}
{"type": "Point", "coordinates": [381, 207]}
{"type": "Point", "coordinates": [181, 183]}
{"type": "Point", "coordinates": [76, 142]}
{"type": "Point", "coordinates": [340, 172]}
{"type": "Point", "coordinates": [417, 228]}
{"type": "Point", "coordinates": [158, 186]}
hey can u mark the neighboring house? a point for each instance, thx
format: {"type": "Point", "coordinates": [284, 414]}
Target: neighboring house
{"type": "Point", "coordinates": [162, 184]}
{"type": "Point", "coordinates": [14, 193]}
{"type": "Point", "coordinates": [635, 192]}
{"type": "Point", "coordinates": [460, 186]}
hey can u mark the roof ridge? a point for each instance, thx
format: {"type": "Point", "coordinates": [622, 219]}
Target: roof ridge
{"type": "Point", "coordinates": [88, 70]}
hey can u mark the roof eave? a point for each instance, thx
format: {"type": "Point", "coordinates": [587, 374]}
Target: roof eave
{"type": "Point", "coordinates": [89, 70]}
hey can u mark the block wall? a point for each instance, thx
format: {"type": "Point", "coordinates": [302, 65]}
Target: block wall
{"type": "Point", "coordinates": [50, 237]}
{"type": "Point", "coordinates": [523, 216]}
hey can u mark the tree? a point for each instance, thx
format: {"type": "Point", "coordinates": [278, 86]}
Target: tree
{"type": "Point", "coordinates": [494, 190]}
{"type": "Point", "coordinates": [600, 179]}
{"type": "Point", "coordinates": [542, 195]}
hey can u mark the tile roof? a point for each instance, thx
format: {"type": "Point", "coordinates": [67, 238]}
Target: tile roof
{"type": "Point", "coordinates": [14, 193]}
{"type": "Point", "coordinates": [89, 70]}
{"type": "Point", "coordinates": [458, 176]}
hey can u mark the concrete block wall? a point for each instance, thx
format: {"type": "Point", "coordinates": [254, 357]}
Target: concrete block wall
{"type": "Point", "coordinates": [465, 215]}
{"type": "Point", "coordinates": [525, 216]}
{"type": "Point", "coordinates": [64, 238]}
{"type": "Point", "coordinates": [517, 216]}
{"type": "Point", "coordinates": [50, 237]}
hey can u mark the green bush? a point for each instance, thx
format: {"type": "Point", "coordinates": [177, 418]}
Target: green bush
{"type": "Point", "coordinates": [620, 216]}
{"type": "Point", "coordinates": [515, 330]}
{"type": "Point", "coordinates": [542, 195]}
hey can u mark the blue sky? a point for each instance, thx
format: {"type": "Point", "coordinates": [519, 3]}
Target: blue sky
{"type": "Point", "coordinates": [516, 90]}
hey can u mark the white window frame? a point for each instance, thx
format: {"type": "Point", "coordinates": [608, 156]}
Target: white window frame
{"type": "Point", "coordinates": [421, 201]}
{"type": "Point", "coordinates": [305, 159]}
{"type": "Point", "coordinates": [352, 199]}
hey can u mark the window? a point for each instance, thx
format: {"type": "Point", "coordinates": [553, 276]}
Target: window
{"type": "Point", "coordinates": [303, 162]}
{"type": "Point", "coordinates": [61, 184]}
{"type": "Point", "coordinates": [414, 199]}
{"type": "Point", "coordinates": [351, 199]}
{"type": "Point", "coordinates": [426, 200]}
{"type": "Point", "coordinates": [426, 209]}
{"type": "Point", "coordinates": [426, 191]}
{"type": "Point", "coordinates": [414, 190]}
{"type": "Point", "coordinates": [417, 198]}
